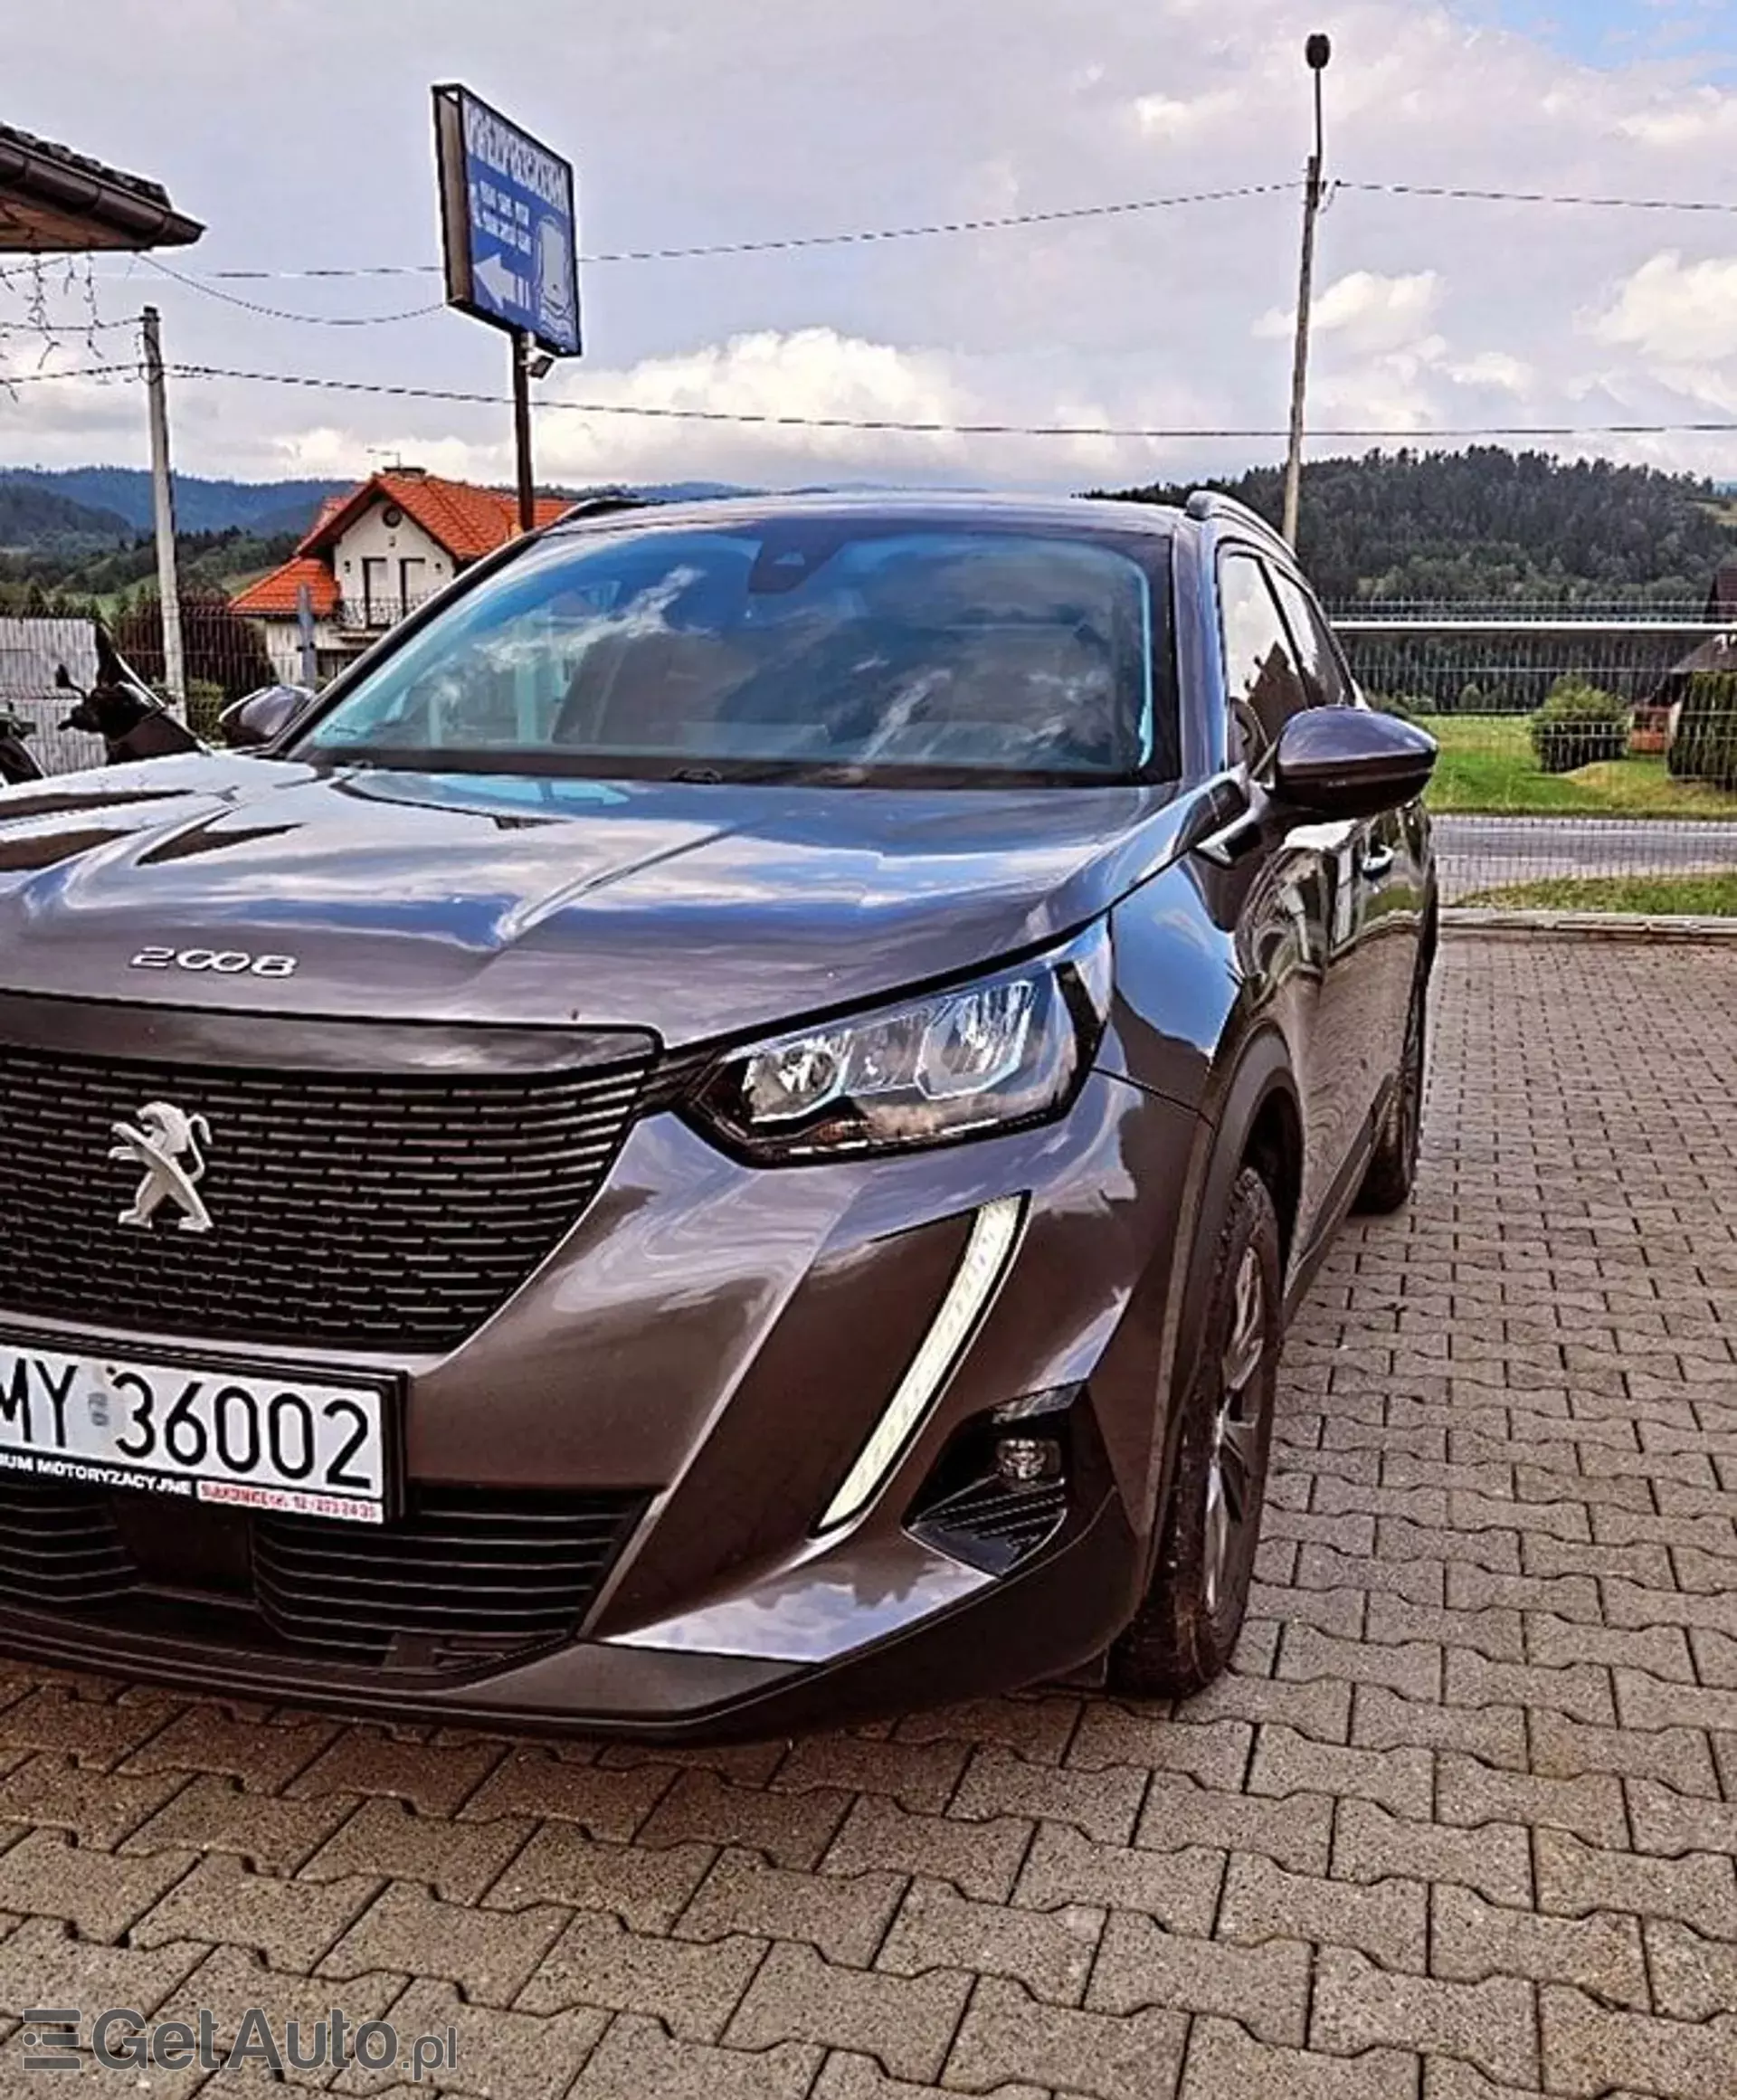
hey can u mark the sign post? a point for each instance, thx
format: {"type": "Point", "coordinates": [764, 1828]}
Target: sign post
{"type": "Point", "coordinates": [522, 431]}
{"type": "Point", "coordinates": [509, 232]}
{"type": "Point", "coordinates": [307, 638]}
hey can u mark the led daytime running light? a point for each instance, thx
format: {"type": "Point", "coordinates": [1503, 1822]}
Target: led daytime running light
{"type": "Point", "coordinates": [989, 1252]}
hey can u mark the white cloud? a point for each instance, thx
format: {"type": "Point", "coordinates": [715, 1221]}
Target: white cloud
{"type": "Point", "coordinates": [1175, 121]}
{"type": "Point", "coordinates": [1676, 312]}
{"type": "Point", "coordinates": [811, 373]}
{"type": "Point", "coordinates": [1702, 387]}
{"type": "Point", "coordinates": [1494, 368]}
{"type": "Point", "coordinates": [1372, 313]}
{"type": "Point", "coordinates": [1703, 117]}
{"type": "Point", "coordinates": [63, 422]}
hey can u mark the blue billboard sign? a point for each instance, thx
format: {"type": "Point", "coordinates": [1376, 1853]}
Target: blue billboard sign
{"type": "Point", "coordinates": [507, 222]}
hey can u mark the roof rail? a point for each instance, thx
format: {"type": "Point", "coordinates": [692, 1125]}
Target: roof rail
{"type": "Point", "coordinates": [1205, 505]}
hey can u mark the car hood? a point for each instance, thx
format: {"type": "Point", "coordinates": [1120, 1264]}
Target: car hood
{"type": "Point", "coordinates": [694, 910]}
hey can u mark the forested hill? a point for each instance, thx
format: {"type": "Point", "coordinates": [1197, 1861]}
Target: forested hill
{"type": "Point", "coordinates": [201, 504]}
{"type": "Point", "coordinates": [1493, 526]}
{"type": "Point", "coordinates": [33, 516]}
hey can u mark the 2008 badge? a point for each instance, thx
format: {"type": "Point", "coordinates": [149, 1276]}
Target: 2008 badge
{"type": "Point", "coordinates": [226, 962]}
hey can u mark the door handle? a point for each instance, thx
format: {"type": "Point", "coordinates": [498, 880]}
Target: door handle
{"type": "Point", "coordinates": [1375, 862]}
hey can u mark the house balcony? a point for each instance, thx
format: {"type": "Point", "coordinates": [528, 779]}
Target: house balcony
{"type": "Point", "coordinates": [360, 619]}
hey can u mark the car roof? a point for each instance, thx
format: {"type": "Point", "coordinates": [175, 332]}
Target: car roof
{"type": "Point", "coordinates": [1070, 514]}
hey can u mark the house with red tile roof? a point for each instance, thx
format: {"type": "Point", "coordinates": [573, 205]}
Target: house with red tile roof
{"type": "Point", "coordinates": [374, 555]}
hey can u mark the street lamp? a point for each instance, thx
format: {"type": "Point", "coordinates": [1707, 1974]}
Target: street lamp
{"type": "Point", "coordinates": [1317, 51]}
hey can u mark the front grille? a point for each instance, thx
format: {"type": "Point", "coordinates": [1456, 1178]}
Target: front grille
{"type": "Point", "coordinates": [466, 1577]}
{"type": "Point", "coordinates": [362, 1210]}
{"type": "Point", "coordinates": [466, 1573]}
{"type": "Point", "coordinates": [59, 1545]}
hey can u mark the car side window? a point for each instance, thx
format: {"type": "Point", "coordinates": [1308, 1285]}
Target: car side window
{"type": "Point", "coordinates": [1262, 677]}
{"type": "Point", "coordinates": [1317, 654]}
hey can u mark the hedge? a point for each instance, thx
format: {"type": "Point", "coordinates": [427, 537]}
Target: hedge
{"type": "Point", "coordinates": [1704, 745]}
{"type": "Point", "coordinates": [1579, 725]}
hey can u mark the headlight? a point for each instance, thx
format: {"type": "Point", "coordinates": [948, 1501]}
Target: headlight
{"type": "Point", "coordinates": [1004, 1049]}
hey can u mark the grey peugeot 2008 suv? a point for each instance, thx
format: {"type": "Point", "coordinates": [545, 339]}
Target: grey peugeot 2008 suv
{"type": "Point", "coordinates": [721, 1134]}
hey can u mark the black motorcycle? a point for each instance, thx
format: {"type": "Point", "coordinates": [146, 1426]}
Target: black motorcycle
{"type": "Point", "coordinates": [121, 709]}
{"type": "Point", "coordinates": [18, 762]}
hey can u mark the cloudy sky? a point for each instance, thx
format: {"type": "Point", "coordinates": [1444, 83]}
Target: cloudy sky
{"type": "Point", "coordinates": [300, 132]}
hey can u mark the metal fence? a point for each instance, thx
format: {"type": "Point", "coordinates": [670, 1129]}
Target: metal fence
{"type": "Point", "coordinates": [1588, 758]}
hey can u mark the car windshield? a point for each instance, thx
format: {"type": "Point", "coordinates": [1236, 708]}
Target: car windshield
{"type": "Point", "coordinates": [812, 648]}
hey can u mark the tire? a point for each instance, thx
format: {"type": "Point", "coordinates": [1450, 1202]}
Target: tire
{"type": "Point", "coordinates": [1393, 1164]}
{"type": "Point", "coordinates": [1183, 1634]}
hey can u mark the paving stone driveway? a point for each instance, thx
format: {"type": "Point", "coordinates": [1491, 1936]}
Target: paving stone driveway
{"type": "Point", "coordinates": [1462, 1821]}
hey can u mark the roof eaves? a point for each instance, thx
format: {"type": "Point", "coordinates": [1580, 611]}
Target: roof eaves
{"type": "Point", "coordinates": [139, 210]}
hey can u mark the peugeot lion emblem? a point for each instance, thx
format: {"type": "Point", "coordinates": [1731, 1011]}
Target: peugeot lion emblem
{"type": "Point", "coordinates": [166, 1143]}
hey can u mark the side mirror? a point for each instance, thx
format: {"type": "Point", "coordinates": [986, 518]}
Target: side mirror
{"type": "Point", "coordinates": [1351, 762]}
{"type": "Point", "coordinates": [263, 717]}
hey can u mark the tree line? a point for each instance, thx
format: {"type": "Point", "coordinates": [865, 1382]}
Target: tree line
{"type": "Point", "coordinates": [1491, 526]}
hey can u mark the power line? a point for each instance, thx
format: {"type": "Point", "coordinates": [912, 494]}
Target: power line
{"type": "Point", "coordinates": [284, 314]}
{"type": "Point", "coordinates": [205, 281]}
{"type": "Point", "coordinates": [72, 372]}
{"type": "Point", "coordinates": [927, 427]}
{"type": "Point", "coordinates": [896, 425]}
{"type": "Point", "coordinates": [997, 223]}
{"type": "Point", "coordinates": [335, 269]}
{"type": "Point", "coordinates": [1404, 189]}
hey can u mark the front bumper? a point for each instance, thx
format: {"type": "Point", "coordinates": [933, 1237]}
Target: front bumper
{"type": "Point", "coordinates": [1036, 1624]}
{"type": "Point", "coordinates": [721, 1341]}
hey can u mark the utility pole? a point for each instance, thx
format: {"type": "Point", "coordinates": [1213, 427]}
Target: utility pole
{"type": "Point", "coordinates": [175, 675]}
{"type": "Point", "coordinates": [1317, 51]}
{"type": "Point", "coordinates": [522, 349]}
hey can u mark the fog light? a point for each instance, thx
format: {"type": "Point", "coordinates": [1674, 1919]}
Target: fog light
{"type": "Point", "coordinates": [1022, 1461]}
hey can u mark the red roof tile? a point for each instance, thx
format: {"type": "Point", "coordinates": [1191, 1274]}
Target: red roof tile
{"type": "Point", "coordinates": [464, 519]}
{"type": "Point", "coordinates": [275, 596]}
{"type": "Point", "coordinates": [329, 507]}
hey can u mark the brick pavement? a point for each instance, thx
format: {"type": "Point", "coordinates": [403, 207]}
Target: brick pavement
{"type": "Point", "coordinates": [1461, 1823]}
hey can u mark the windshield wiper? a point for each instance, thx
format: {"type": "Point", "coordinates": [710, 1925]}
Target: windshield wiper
{"type": "Point", "coordinates": [796, 772]}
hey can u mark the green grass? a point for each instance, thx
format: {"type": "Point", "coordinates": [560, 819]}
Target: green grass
{"type": "Point", "coordinates": [1672, 896]}
{"type": "Point", "coordinates": [1487, 767]}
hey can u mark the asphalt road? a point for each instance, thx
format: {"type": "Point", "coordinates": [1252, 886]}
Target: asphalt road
{"type": "Point", "coordinates": [1487, 853]}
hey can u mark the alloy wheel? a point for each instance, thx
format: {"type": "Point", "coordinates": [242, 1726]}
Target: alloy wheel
{"type": "Point", "coordinates": [1234, 1460]}
{"type": "Point", "coordinates": [1409, 1108]}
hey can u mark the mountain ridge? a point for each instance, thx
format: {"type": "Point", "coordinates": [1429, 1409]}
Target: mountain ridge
{"type": "Point", "coordinates": [122, 496]}
{"type": "Point", "coordinates": [202, 503]}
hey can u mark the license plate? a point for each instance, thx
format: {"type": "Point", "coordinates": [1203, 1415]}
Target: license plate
{"type": "Point", "coordinates": [213, 1432]}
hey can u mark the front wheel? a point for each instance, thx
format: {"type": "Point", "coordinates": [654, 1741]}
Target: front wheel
{"type": "Point", "coordinates": [1184, 1633]}
{"type": "Point", "coordinates": [1393, 1164]}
